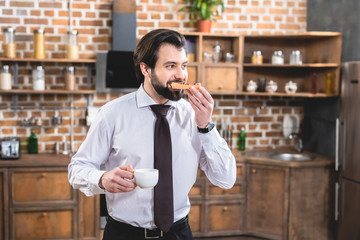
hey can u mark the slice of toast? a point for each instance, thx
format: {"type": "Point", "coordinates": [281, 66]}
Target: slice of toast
{"type": "Point", "coordinates": [185, 86]}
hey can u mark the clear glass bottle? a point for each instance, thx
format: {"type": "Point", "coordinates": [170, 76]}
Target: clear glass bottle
{"type": "Point", "coordinates": [38, 77]}
{"type": "Point", "coordinates": [295, 57]}
{"type": "Point", "coordinates": [72, 48]}
{"type": "Point", "coordinates": [9, 45]}
{"type": "Point", "coordinates": [39, 43]}
{"type": "Point", "coordinates": [70, 79]}
{"type": "Point", "coordinates": [5, 78]}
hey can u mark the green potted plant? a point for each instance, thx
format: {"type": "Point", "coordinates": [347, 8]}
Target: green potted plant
{"type": "Point", "coordinates": [203, 11]}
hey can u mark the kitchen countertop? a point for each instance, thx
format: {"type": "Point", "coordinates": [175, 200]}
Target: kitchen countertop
{"type": "Point", "coordinates": [262, 157]}
{"type": "Point", "coordinates": [250, 156]}
{"type": "Point", "coordinates": [38, 160]}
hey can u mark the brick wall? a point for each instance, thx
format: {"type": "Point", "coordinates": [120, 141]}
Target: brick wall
{"type": "Point", "coordinates": [261, 116]}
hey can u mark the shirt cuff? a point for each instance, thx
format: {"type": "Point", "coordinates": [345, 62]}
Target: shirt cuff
{"type": "Point", "coordinates": [94, 179]}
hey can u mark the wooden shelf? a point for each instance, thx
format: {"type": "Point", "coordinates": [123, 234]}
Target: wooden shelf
{"type": "Point", "coordinates": [282, 94]}
{"type": "Point", "coordinates": [305, 65]}
{"type": "Point", "coordinates": [53, 60]}
{"type": "Point", "coordinates": [29, 91]}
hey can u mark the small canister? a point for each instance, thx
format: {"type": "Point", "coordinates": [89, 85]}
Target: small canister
{"type": "Point", "coordinates": [257, 58]}
{"type": "Point", "coordinates": [72, 47]}
{"type": "Point", "coordinates": [38, 77]}
{"type": "Point", "coordinates": [217, 52]}
{"type": "Point", "coordinates": [39, 43]}
{"type": "Point", "coordinates": [295, 57]}
{"type": "Point", "coordinates": [70, 79]}
{"type": "Point", "coordinates": [5, 78]}
{"type": "Point", "coordinates": [9, 45]}
{"type": "Point", "coordinates": [277, 58]}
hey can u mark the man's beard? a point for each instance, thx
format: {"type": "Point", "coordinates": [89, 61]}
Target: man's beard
{"type": "Point", "coordinates": [164, 91]}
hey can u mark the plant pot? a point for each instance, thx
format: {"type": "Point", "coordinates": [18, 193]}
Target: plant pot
{"type": "Point", "coordinates": [204, 25]}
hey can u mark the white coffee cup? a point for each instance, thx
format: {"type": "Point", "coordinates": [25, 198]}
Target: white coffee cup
{"type": "Point", "coordinates": [146, 177]}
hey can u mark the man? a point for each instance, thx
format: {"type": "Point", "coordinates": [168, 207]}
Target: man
{"type": "Point", "coordinates": [122, 139]}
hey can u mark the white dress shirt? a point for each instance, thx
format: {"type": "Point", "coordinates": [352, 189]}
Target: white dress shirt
{"type": "Point", "coordinates": [122, 133]}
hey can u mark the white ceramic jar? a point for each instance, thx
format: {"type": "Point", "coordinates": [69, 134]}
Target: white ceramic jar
{"type": "Point", "coordinates": [271, 86]}
{"type": "Point", "coordinates": [251, 86]}
{"type": "Point", "coordinates": [290, 87]}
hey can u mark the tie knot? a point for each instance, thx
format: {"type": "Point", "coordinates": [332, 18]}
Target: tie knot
{"type": "Point", "coordinates": [159, 109]}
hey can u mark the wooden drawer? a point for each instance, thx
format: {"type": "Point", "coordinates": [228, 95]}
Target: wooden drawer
{"type": "Point", "coordinates": [40, 185]}
{"type": "Point", "coordinates": [43, 224]}
{"type": "Point", "coordinates": [236, 190]}
{"type": "Point", "coordinates": [221, 77]}
{"type": "Point", "coordinates": [225, 217]}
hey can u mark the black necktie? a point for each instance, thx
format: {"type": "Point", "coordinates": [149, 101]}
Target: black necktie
{"type": "Point", "coordinates": [163, 191]}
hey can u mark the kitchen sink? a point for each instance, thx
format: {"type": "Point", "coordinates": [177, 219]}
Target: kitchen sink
{"type": "Point", "coordinates": [291, 156]}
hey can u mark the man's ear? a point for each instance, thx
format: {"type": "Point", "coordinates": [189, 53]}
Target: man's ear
{"type": "Point", "coordinates": [145, 70]}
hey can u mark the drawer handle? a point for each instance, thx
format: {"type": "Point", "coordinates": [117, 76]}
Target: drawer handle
{"type": "Point", "coordinates": [253, 170]}
{"type": "Point", "coordinates": [225, 209]}
{"type": "Point", "coordinates": [43, 175]}
{"type": "Point", "coordinates": [220, 87]}
{"type": "Point", "coordinates": [44, 214]}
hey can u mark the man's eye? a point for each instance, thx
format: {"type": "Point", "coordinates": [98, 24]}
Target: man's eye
{"type": "Point", "coordinates": [184, 66]}
{"type": "Point", "coordinates": [170, 66]}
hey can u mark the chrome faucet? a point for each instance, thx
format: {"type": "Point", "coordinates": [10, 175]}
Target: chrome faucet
{"type": "Point", "coordinates": [299, 147]}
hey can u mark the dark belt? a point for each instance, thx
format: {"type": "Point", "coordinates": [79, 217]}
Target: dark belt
{"type": "Point", "coordinates": [148, 233]}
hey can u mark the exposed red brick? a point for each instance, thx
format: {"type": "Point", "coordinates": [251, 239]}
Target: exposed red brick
{"type": "Point", "coordinates": [21, 4]}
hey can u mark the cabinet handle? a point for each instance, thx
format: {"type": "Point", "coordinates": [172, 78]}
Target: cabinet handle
{"type": "Point", "coordinates": [225, 209]}
{"type": "Point", "coordinates": [337, 186]}
{"type": "Point", "coordinates": [220, 87]}
{"type": "Point", "coordinates": [337, 139]}
{"type": "Point", "coordinates": [44, 214]}
{"type": "Point", "coordinates": [43, 175]}
{"type": "Point", "coordinates": [253, 170]}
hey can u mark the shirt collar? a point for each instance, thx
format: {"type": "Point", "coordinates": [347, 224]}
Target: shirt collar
{"type": "Point", "coordinates": [144, 100]}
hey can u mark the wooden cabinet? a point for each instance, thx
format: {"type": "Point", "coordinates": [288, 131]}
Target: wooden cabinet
{"type": "Point", "coordinates": [231, 78]}
{"type": "Point", "coordinates": [267, 201]}
{"type": "Point", "coordinates": [215, 211]}
{"type": "Point", "coordinates": [42, 204]}
{"type": "Point", "coordinates": [288, 202]}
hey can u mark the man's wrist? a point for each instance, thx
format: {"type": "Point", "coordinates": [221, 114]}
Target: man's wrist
{"type": "Point", "coordinates": [206, 129]}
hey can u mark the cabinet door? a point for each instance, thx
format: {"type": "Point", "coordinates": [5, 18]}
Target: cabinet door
{"type": "Point", "coordinates": [89, 216]}
{"type": "Point", "coordinates": [40, 185]}
{"type": "Point", "coordinates": [2, 206]}
{"type": "Point", "coordinates": [267, 201]}
{"type": "Point", "coordinates": [43, 224]}
{"type": "Point", "coordinates": [225, 218]}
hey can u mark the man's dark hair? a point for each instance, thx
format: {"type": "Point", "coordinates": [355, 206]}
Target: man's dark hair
{"type": "Point", "coordinates": [147, 49]}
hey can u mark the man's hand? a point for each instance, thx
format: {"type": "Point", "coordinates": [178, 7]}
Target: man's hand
{"type": "Point", "coordinates": [117, 179]}
{"type": "Point", "coordinates": [203, 105]}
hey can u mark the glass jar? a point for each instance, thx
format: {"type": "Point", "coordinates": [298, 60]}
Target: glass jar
{"type": "Point", "coordinates": [277, 58]}
{"type": "Point", "coordinates": [217, 52]}
{"type": "Point", "coordinates": [38, 75]}
{"type": "Point", "coordinates": [70, 79]}
{"type": "Point", "coordinates": [72, 45]}
{"type": "Point", "coordinates": [257, 58]}
{"type": "Point", "coordinates": [295, 57]}
{"type": "Point", "coordinates": [190, 50]}
{"type": "Point", "coordinates": [5, 78]}
{"type": "Point", "coordinates": [9, 45]}
{"type": "Point", "coordinates": [39, 43]}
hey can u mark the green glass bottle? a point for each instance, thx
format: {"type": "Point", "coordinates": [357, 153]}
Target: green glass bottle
{"type": "Point", "coordinates": [32, 143]}
{"type": "Point", "coordinates": [242, 140]}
